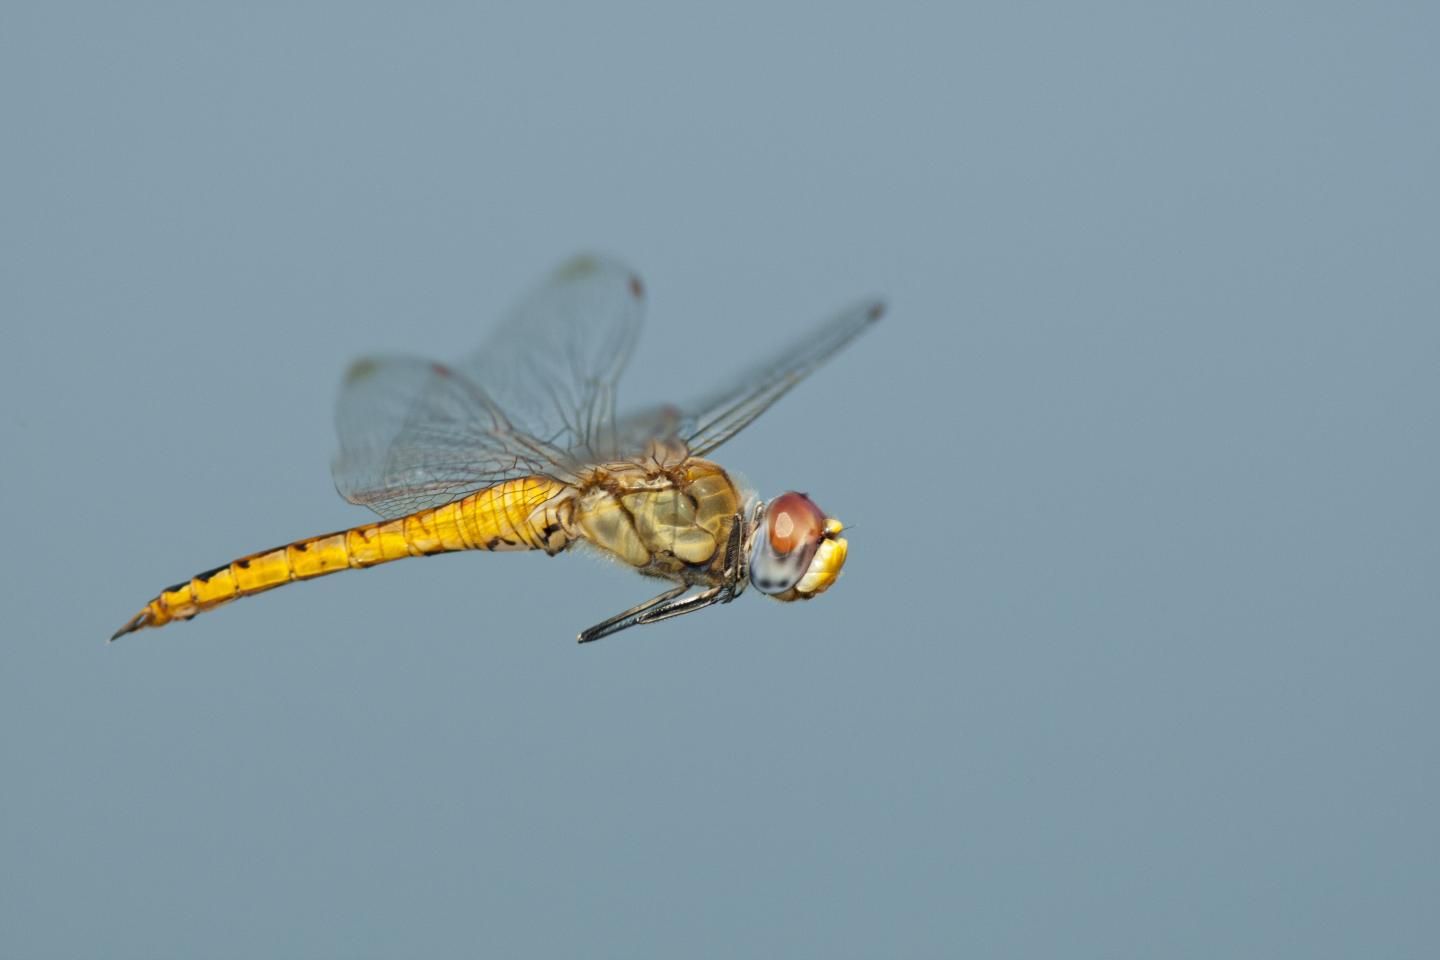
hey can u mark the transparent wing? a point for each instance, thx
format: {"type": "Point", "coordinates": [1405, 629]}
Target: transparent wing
{"type": "Point", "coordinates": [708, 422]}
{"type": "Point", "coordinates": [416, 434]}
{"type": "Point", "coordinates": [552, 365]}
{"type": "Point", "coordinates": [538, 397]}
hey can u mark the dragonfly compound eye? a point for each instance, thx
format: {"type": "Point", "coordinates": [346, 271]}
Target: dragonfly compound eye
{"type": "Point", "coordinates": [792, 520]}
{"type": "Point", "coordinates": [797, 553]}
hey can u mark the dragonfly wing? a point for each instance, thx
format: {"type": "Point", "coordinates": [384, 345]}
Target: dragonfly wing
{"type": "Point", "coordinates": [710, 421]}
{"type": "Point", "coordinates": [416, 434]}
{"type": "Point", "coordinates": [553, 364]}
{"type": "Point", "coordinates": [536, 398]}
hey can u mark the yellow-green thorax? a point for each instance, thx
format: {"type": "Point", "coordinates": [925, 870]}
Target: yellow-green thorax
{"type": "Point", "coordinates": [668, 520]}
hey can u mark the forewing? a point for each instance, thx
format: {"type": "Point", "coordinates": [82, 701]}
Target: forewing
{"type": "Point", "coordinates": [538, 397]}
{"type": "Point", "coordinates": [715, 418]}
{"type": "Point", "coordinates": [553, 363]}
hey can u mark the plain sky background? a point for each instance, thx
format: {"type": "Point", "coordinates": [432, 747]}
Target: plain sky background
{"type": "Point", "coordinates": [1137, 650]}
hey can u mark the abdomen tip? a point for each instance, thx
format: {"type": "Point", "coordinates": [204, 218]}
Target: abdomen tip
{"type": "Point", "coordinates": [141, 619]}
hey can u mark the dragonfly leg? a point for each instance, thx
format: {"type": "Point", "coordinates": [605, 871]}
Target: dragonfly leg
{"type": "Point", "coordinates": [628, 618]}
{"type": "Point", "coordinates": [666, 605]}
{"type": "Point", "coordinates": [734, 561]}
{"type": "Point", "coordinates": [698, 601]}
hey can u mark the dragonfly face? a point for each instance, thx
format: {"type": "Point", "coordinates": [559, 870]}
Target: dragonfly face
{"type": "Point", "coordinates": [796, 552]}
{"type": "Point", "coordinates": [519, 446]}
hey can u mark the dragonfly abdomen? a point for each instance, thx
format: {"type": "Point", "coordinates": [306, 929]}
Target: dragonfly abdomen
{"type": "Point", "coordinates": [528, 513]}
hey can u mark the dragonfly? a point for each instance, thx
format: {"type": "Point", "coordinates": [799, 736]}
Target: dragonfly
{"type": "Point", "coordinates": [519, 447]}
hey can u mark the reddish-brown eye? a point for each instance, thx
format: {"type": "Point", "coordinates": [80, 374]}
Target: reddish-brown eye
{"type": "Point", "coordinates": [794, 520]}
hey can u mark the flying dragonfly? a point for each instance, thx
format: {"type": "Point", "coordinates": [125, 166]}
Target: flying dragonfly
{"type": "Point", "coordinates": [519, 447]}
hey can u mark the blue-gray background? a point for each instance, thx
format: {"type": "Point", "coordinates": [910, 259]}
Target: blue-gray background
{"type": "Point", "coordinates": [1137, 651]}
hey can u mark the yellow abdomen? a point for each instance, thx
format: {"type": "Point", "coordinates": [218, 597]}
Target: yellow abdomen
{"type": "Point", "coordinates": [529, 513]}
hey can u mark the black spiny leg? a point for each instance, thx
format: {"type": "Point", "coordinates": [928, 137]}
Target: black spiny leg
{"type": "Point", "coordinates": [666, 605]}
{"type": "Point", "coordinates": [628, 618]}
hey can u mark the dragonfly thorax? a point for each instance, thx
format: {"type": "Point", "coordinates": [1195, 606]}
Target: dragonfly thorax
{"type": "Point", "coordinates": [670, 521]}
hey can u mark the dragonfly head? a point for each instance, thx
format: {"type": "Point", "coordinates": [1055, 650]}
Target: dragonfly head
{"type": "Point", "coordinates": [796, 551]}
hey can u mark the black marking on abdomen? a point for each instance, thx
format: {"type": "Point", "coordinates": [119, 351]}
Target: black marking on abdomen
{"type": "Point", "coordinates": [176, 588]}
{"type": "Point", "coordinates": [302, 546]}
{"type": "Point", "coordinates": [205, 577]}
